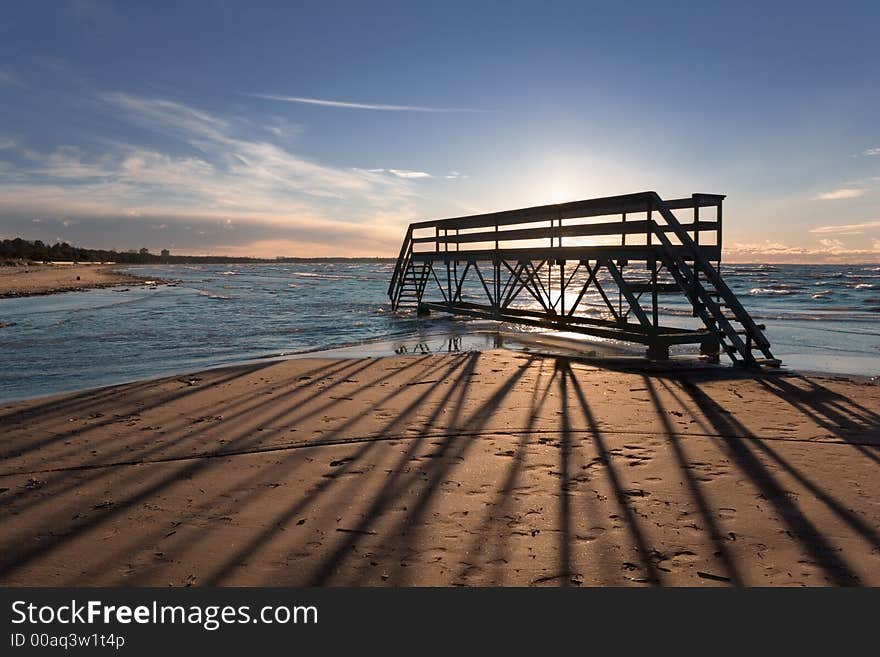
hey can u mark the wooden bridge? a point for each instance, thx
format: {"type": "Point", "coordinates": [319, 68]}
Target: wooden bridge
{"type": "Point", "coordinates": [535, 266]}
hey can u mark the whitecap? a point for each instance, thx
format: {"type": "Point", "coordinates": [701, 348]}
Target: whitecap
{"type": "Point", "coordinates": [212, 295]}
{"type": "Point", "coordinates": [767, 291]}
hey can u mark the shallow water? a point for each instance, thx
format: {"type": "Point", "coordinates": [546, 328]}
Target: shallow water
{"type": "Point", "coordinates": [819, 318]}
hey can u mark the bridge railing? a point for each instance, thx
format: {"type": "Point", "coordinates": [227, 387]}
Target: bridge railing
{"type": "Point", "coordinates": [628, 220]}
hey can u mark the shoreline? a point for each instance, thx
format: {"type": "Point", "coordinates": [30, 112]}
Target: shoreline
{"type": "Point", "coordinates": [620, 362]}
{"type": "Point", "coordinates": [473, 468]}
{"type": "Point", "coordinates": [45, 279]}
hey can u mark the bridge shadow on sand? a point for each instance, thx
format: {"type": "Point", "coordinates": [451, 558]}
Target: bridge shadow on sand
{"type": "Point", "coordinates": [468, 469]}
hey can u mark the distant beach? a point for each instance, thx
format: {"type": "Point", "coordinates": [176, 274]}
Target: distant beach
{"type": "Point", "coordinates": [37, 279]}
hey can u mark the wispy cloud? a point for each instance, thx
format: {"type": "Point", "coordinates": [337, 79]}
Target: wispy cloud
{"type": "Point", "coordinates": [832, 245]}
{"type": "Point", "coordinates": [846, 229]}
{"type": "Point", "coordinates": [871, 151]}
{"type": "Point", "coordinates": [210, 169]}
{"type": "Point", "coordinates": [765, 248]}
{"type": "Point", "coordinates": [362, 106]}
{"type": "Point", "coordinates": [842, 193]}
{"type": "Point", "coordinates": [402, 173]}
{"type": "Point", "coordinates": [239, 163]}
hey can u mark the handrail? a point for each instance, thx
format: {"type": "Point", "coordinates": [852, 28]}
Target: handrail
{"type": "Point", "coordinates": [398, 268]}
{"type": "Point", "coordinates": [609, 205]}
{"type": "Point", "coordinates": [580, 212]}
{"type": "Point", "coordinates": [605, 228]}
{"type": "Point", "coordinates": [713, 277]}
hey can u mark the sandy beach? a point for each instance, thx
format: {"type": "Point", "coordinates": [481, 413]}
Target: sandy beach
{"type": "Point", "coordinates": [33, 280]}
{"type": "Point", "coordinates": [492, 468]}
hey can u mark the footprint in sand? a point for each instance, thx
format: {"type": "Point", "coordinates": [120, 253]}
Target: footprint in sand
{"type": "Point", "coordinates": [683, 556]}
{"type": "Point", "coordinates": [592, 535]}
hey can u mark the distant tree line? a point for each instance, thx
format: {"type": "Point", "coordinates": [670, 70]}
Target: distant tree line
{"type": "Point", "coordinates": [19, 249]}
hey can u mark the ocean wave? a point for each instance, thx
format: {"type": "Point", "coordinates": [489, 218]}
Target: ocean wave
{"type": "Point", "coordinates": [824, 294]}
{"type": "Point", "coordinates": [752, 268]}
{"type": "Point", "coordinates": [825, 315]}
{"type": "Point", "coordinates": [214, 295]}
{"type": "Point", "coordinates": [329, 277]}
{"type": "Point", "coordinates": [771, 291]}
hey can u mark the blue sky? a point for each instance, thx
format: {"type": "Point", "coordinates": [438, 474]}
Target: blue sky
{"type": "Point", "coordinates": [324, 128]}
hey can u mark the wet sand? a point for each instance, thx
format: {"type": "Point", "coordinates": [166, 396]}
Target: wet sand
{"type": "Point", "coordinates": [492, 468]}
{"type": "Point", "coordinates": [33, 280]}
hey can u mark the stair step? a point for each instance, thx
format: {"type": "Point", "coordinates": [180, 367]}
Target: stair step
{"type": "Point", "coordinates": [768, 362]}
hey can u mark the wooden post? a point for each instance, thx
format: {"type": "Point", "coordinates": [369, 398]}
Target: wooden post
{"type": "Point", "coordinates": [562, 287]}
{"type": "Point", "coordinates": [654, 310]}
{"type": "Point", "coordinates": [448, 273]}
{"type": "Point", "coordinates": [497, 274]}
{"type": "Point", "coordinates": [622, 243]}
{"type": "Point", "coordinates": [719, 234]}
{"type": "Point", "coordinates": [697, 243]}
{"type": "Point", "coordinates": [455, 265]}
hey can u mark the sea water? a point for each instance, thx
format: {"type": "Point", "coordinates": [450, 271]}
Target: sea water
{"type": "Point", "coordinates": [819, 318]}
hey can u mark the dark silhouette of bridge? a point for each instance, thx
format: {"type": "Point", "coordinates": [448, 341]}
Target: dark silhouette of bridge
{"type": "Point", "coordinates": [537, 265]}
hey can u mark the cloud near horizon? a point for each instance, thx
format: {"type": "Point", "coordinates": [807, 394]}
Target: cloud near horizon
{"type": "Point", "coordinates": [842, 193]}
{"type": "Point", "coordinates": [212, 170]}
{"type": "Point", "coordinates": [846, 229]}
{"type": "Point", "coordinates": [209, 234]}
{"type": "Point", "coordinates": [202, 182]}
{"type": "Point", "coordinates": [829, 251]}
